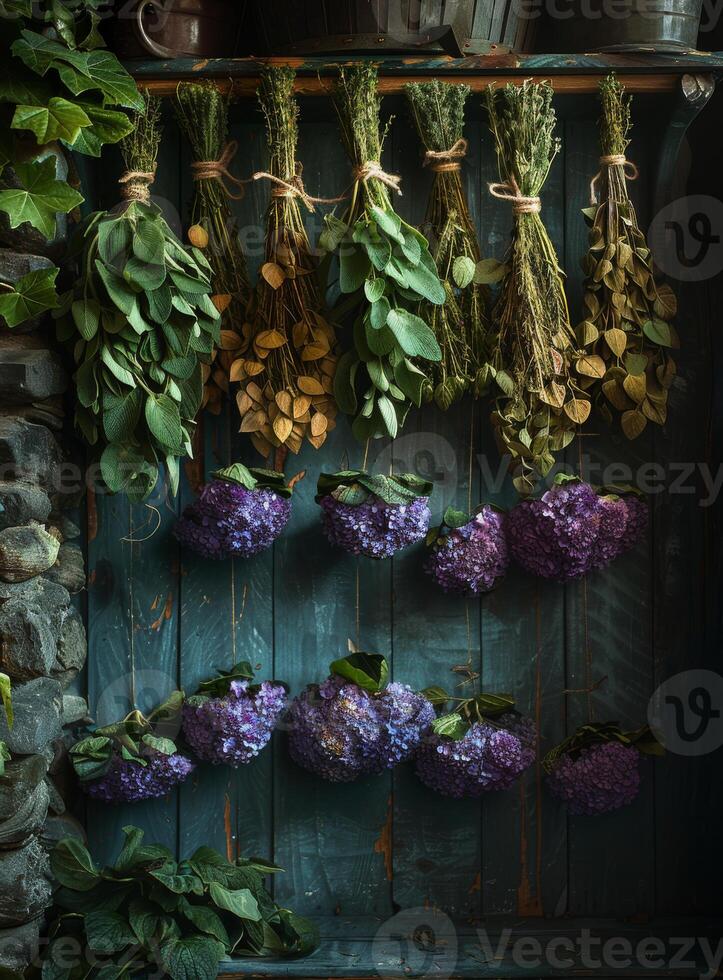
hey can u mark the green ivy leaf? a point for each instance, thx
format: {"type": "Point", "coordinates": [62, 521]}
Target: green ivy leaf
{"type": "Point", "coordinates": [240, 901]}
{"type": "Point", "coordinates": [6, 698]}
{"type": "Point", "coordinates": [370, 671]}
{"type": "Point", "coordinates": [73, 866]}
{"type": "Point", "coordinates": [32, 295]}
{"type": "Point", "coordinates": [463, 271]}
{"type": "Point", "coordinates": [192, 958]}
{"type": "Point", "coordinates": [413, 335]}
{"type": "Point", "coordinates": [58, 120]}
{"type": "Point", "coordinates": [39, 198]}
{"type": "Point", "coordinates": [106, 126]}
{"type": "Point", "coordinates": [164, 421]}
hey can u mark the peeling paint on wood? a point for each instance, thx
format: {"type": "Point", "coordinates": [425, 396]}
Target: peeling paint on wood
{"type": "Point", "coordinates": [383, 845]}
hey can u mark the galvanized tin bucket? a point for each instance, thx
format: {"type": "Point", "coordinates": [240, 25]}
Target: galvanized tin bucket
{"type": "Point", "coordinates": [631, 25]}
{"type": "Point", "coordinates": [455, 27]}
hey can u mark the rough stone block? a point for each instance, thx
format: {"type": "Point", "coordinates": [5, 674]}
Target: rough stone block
{"type": "Point", "coordinates": [28, 641]}
{"type": "Point", "coordinates": [26, 551]}
{"type": "Point", "coordinates": [27, 821]}
{"type": "Point", "coordinates": [59, 827]}
{"type": "Point", "coordinates": [72, 648]}
{"type": "Point", "coordinates": [75, 709]}
{"type": "Point", "coordinates": [20, 780]}
{"type": "Point", "coordinates": [69, 568]}
{"type": "Point", "coordinates": [21, 503]}
{"type": "Point", "coordinates": [25, 884]}
{"type": "Point", "coordinates": [30, 453]}
{"type": "Point", "coordinates": [30, 376]}
{"type": "Point", "coordinates": [20, 946]}
{"type": "Point", "coordinates": [37, 706]}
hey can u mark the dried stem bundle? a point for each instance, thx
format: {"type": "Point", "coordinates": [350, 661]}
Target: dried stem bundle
{"type": "Point", "coordinates": [202, 113]}
{"type": "Point", "coordinates": [461, 325]}
{"type": "Point", "coordinates": [286, 369]}
{"type": "Point", "coordinates": [626, 333]}
{"type": "Point", "coordinates": [535, 352]}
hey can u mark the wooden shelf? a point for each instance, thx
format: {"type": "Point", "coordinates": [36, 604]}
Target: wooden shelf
{"type": "Point", "coordinates": [569, 74]}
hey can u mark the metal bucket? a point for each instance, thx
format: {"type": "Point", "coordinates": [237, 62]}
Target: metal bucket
{"type": "Point", "coordinates": [455, 27]}
{"type": "Point", "coordinates": [177, 28]}
{"type": "Point", "coordinates": [630, 25]}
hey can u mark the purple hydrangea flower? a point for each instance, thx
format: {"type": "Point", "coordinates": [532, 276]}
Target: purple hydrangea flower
{"type": "Point", "coordinates": [471, 559]}
{"type": "Point", "coordinates": [374, 528]}
{"type": "Point", "coordinates": [571, 530]}
{"type": "Point", "coordinates": [232, 730]}
{"type": "Point", "coordinates": [230, 521]}
{"type": "Point", "coordinates": [128, 782]}
{"type": "Point", "coordinates": [599, 779]}
{"type": "Point", "coordinates": [340, 731]}
{"type": "Point", "coordinates": [489, 757]}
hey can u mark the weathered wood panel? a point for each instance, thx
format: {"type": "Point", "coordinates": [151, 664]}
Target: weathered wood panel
{"type": "Point", "coordinates": [386, 843]}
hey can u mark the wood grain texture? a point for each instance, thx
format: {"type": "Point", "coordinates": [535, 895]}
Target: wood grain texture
{"type": "Point", "coordinates": [516, 853]}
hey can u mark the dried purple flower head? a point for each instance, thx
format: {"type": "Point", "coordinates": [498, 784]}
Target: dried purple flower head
{"type": "Point", "coordinates": [572, 529]}
{"type": "Point", "coordinates": [469, 558]}
{"type": "Point", "coordinates": [126, 781]}
{"type": "Point", "coordinates": [490, 756]}
{"type": "Point", "coordinates": [374, 516]}
{"type": "Point", "coordinates": [340, 730]}
{"type": "Point", "coordinates": [238, 514]}
{"type": "Point", "coordinates": [233, 729]}
{"type": "Point", "coordinates": [602, 778]}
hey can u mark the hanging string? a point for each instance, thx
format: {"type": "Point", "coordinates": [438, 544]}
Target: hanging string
{"type": "Point", "coordinates": [135, 185]}
{"type": "Point", "coordinates": [509, 191]}
{"type": "Point", "coordinates": [295, 188]}
{"type": "Point", "coordinates": [447, 161]}
{"type": "Point", "coordinates": [159, 520]}
{"type": "Point", "coordinates": [218, 170]}
{"type": "Point", "coordinates": [613, 160]}
{"type": "Point", "coordinates": [373, 170]}
{"type": "Point", "coordinates": [131, 610]}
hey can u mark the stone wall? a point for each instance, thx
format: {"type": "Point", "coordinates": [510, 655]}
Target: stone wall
{"type": "Point", "coordinates": [42, 637]}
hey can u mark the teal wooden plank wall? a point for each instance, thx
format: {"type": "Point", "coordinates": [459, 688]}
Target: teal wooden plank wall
{"type": "Point", "coordinates": [158, 619]}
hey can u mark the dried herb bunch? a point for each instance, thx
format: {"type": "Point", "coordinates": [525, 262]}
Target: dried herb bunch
{"type": "Point", "coordinates": [202, 113]}
{"type": "Point", "coordinates": [535, 352]}
{"type": "Point", "coordinates": [385, 270]}
{"type": "Point", "coordinates": [626, 333]}
{"type": "Point", "coordinates": [141, 324]}
{"type": "Point", "coordinates": [287, 367]}
{"type": "Point", "coordinates": [460, 325]}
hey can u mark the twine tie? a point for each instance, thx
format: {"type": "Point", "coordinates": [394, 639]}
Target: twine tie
{"type": "Point", "coordinates": [613, 160]}
{"type": "Point", "coordinates": [373, 170]}
{"type": "Point", "coordinates": [135, 185]}
{"type": "Point", "coordinates": [218, 170]}
{"type": "Point", "coordinates": [509, 191]}
{"type": "Point", "coordinates": [295, 188]}
{"type": "Point", "coordinates": [447, 161]}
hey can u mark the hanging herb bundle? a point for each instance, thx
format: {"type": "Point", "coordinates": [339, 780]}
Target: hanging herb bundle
{"type": "Point", "coordinates": [541, 402]}
{"type": "Point", "coordinates": [626, 333]}
{"type": "Point", "coordinates": [460, 324]}
{"type": "Point", "coordinates": [287, 368]}
{"type": "Point", "coordinates": [202, 113]}
{"type": "Point", "coordinates": [386, 270]}
{"type": "Point", "coordinates": [141, 323]}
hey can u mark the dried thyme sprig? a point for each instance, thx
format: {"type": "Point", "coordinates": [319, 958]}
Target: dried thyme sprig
{"type": "Point", "coordinates": [541, 402]}
{"type": "Point", "coordinates": [287, 368]}
{"type": "Point", "coordinates": [385, 271]}
{"type": "Point", "coordinates": [461, 325]}
{"type": "Point", "coordinates": [202, 113]}
{"type": "Point", "coordinates": [626, 333]}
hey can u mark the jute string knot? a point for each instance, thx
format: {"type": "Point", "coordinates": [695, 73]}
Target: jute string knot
{"type": "Point", "coordinates": [135, 185]}
{"type": "Point", "coordinates": [218, 170]}
{"type": "Point", "coordinates": [295, 188]}
{"type": "Point", "coordinates": [509, 191]}
{"type": "Point", "coordinates": [447, 161]}
{"type": "Point", "coordinates": [613, 160]}
{"type": "Point", "coordinates": [373, 170]}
